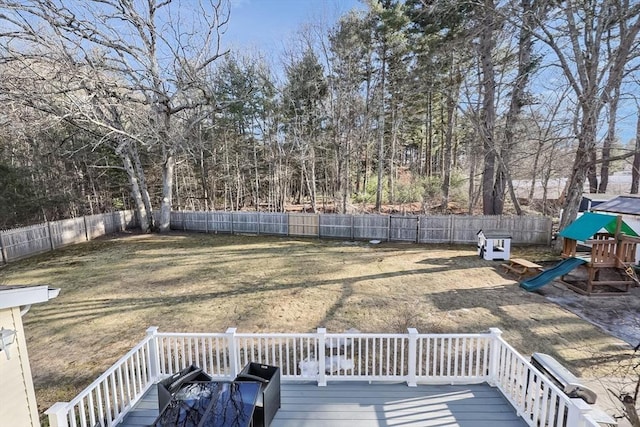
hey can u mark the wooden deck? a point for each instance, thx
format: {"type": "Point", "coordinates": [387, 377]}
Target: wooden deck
{"type": "Point", "coordinates": [367, 405]}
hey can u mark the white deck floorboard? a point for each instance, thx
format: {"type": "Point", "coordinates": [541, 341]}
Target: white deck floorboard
{"type": "Point", "coordinates": [369, 405]}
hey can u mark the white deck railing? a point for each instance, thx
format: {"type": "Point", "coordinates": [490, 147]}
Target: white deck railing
{"type": "Point", "coordinates": [107, 400]}
{"type": "Point", "coordinates": [535, 398]}
{"type": "Point", "coordinates": [412, 357]}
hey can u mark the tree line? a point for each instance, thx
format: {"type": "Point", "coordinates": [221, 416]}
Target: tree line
{"type": "Point", "coordinates": [439, 103]}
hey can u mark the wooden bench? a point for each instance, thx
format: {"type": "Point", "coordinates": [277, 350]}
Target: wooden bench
{"type": "Point", "coordinates": [522, 267]}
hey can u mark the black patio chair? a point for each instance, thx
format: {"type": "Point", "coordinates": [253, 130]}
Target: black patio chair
{"type": "Point", "coordinates": [170, 385]}
{"type": "Point", "coordinates": [269, 397]}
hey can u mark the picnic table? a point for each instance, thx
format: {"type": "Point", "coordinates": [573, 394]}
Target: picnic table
{"type": "Point", "coordinates": [522, 267]}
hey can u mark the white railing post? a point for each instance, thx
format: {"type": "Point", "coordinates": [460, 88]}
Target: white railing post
{"type": "Point", "coordinates": [413, 351]}
{"type": "Point", "coordinates": [494, 356]}
{"type": "Point", "coordinates": [577, 412]}
{"type": "Point", "coordinates": [234, 357]}
{"type": "Point", "coordinates": [57, 414]}
{"type": "Point", "coordinates": [154, 353]}
{"type": "Point", "coordinates": [322, 357]}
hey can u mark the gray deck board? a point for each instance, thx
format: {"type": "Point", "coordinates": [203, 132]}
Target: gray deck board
{"type": "Point", "coordinates": [368, 405]}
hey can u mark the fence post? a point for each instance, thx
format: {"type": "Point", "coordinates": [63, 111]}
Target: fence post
{"type": "Point", "coordinates": [288, 223]}
{"type": "Point", "coordinates": [57, 414]}
{"type": "Point", "coordinates": [231, 215]}
{"type": "Point", "coordinates": [86, 227]}
{"type": "Point", "coordinates": [418, 229]}
{"type": "Point", "coordinates": [413, 352]}
{"type": "Point", "coordinates": [233, 352]}
{"type": "Point", "coordinates": [322, 357]}
{"type": "Point", "coordinates": [494, 356]}
{"type": "Point", "coordinates": [5, 257]}
{"type": "Point", "coordinates": [451, 229]}
{"type": "Point", "coordinates": [352, 230]}
{"type": "Point", "coordinates": [53, 246]}
{"type": "Point", "coordinates": [154, 353]}
{"type": "Point", "coordinates": [388, 228]}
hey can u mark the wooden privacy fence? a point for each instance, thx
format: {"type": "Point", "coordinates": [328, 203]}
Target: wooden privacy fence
{"type": "Point", "coordinates": [534, 230]}
{"type": "Point", "coordinates": [22, 242]}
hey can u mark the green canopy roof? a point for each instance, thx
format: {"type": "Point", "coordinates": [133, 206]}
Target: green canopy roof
{"type": "Point", "coordinates": [590, 223]}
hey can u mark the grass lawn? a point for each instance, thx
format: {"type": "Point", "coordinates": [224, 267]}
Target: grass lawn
{"type": "Point", "coordinates": [114, 288]}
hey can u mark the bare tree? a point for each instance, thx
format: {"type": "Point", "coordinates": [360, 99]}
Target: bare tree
{"type": "Point", "coordinates": [142, 49]}
{"type": "Point", "coordinates": [592, 70]}
{"type": "Point", "coordinates": [519, 93]}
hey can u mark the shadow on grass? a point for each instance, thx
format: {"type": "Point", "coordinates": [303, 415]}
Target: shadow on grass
{"type": "Point", "coordinates": [580, 331]}
{"type": "Point", "coordinates": [80, 311]}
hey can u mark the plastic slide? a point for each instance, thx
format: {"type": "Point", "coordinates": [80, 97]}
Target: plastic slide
{"type": "Point", "coordinates": [547, 276]}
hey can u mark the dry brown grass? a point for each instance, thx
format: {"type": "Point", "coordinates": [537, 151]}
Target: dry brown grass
{"type": "Point", "coordinates": [113, 289]}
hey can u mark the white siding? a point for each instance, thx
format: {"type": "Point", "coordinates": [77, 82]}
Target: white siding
{"type": "Point", "coordinates": [17, 397]}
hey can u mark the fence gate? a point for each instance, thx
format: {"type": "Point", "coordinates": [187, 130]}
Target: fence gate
{"type": "Point", "coordinates": [403, 228]}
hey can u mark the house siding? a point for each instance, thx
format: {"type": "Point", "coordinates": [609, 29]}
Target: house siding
{"type": "Point", "coordinates": [17, 402]}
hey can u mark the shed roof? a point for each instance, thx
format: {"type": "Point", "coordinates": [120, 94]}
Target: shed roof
{"type": "Point", "coordinates": [628, 205]}
{"type": "Point", "coordinates": [590, 223]}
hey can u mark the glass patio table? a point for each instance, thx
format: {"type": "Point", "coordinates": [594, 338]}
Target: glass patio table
{"type": "Point", "coordinates": [211, 404]}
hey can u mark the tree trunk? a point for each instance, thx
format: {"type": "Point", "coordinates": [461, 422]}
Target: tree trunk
{"type": "Point", "coordinates": [204, 182]}
{"type": "Point", "coordinates": [381, 134]}
{"type": "Point", "coordinates": [144, 192]}
{"type": "Point", "coordinates": [392, 153]}
{"type": "Point", "coordinates": [592, 174]}
{"type": "Point", "coordinates": [448, 143]}
{"type": "Point", "coordinates": [488, 113]}
{"type": "Point", "coordinates": [311, 179]}
{"type": "Point", "coordinates": [499, 186]}
{"type": "Point", "coordinates": [345, 176]}
{"type": "Point", "coordinates": [608, 142]}
{"type": "Point", "coordinates": [428, 135]}
{"type": "Point", "coordinates": [256, 177]}
{"type": "Point", "coordinates": [630, 410]}
{"type": "Point", "coordinates": [635, 172]}
{"type": "Point", "coordinates": [167, 194]}
{"type": "Point", "coordinates": [141, 210]}
{"type": "Point", "coordinates": [581, 164]}
{"type": "Point", "coordinates": [525, 44]}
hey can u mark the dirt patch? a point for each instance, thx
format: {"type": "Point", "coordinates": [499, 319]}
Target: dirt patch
{"type": "Point", "coordinates": [113, 289]}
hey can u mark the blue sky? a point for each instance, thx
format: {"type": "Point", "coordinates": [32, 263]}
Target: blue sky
{"type": "Point", "coordinates": [267, 25]}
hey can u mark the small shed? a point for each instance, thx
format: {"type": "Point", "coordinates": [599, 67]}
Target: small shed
{"type": "Point", "coordinates": [494, 245]}
{"type": "Point", "coordinates": [18, 406]}
{"type": "Point", "coordinates": [590, 201]}
{"type": "Point", "coordinates": [623, 205]}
